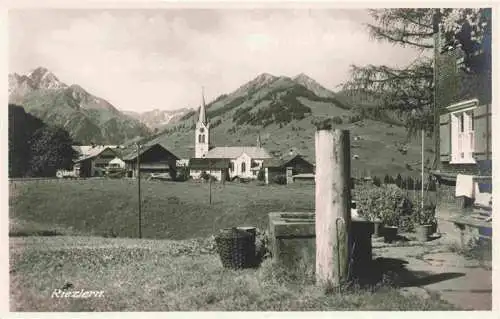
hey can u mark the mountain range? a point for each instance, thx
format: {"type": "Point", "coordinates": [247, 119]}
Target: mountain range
{"type": "Point", "coordinates": [283, 111]}
{"type": "Point", "coordinates": [88, 119]}
{"type": "Point", "coordinates": [158, 119]}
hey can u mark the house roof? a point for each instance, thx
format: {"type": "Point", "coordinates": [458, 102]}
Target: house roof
{"type": "Point", "coordinates": [281, 162]}
{"type": "Point", "coordinates": [86, 151]}
{"type": "Point", "coordinates": [131, 153]}
{"type": "Point", "coordinates": [209, 163]}
{"type": "Point", "coordinates": [231, 152]}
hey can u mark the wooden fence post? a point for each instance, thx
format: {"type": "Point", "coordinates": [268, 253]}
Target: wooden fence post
{"type": "Point", "coordinates": [333, 211]}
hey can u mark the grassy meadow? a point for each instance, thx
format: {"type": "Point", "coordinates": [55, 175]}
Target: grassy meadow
{"type": "Point", "coordinates": [57, 231]}
{"type": "Point", "coordinates": [151, 275]}
{"type": "Point", "coordinates": [106, 207]}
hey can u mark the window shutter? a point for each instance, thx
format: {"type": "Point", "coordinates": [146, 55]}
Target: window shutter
{"type": "Point", "coordinates": [482, 132]}
{"type": "Point", "coordinates": [445, 137]}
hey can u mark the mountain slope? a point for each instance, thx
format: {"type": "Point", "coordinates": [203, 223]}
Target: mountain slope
{"type": "Point", "coordinates": [86, 117]}
{"type": "Point", "coordinates": [282, 111]}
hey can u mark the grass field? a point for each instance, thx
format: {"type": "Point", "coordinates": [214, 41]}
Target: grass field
{"type": "Point", "coordinates": [150, 275]}
{"type": "Point", "coordinates": [171, 210]}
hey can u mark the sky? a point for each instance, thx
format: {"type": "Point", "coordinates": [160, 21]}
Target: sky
{"type": "Point", "coordinates": [140, 60]}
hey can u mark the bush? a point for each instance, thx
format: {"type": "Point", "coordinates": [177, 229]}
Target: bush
{"type": "Point", "coordinates": [376, 181]}
{"type": "Point", "coordinates": [386, 203]}
{"type": "Point", "coordinates": [425, 216]}
{"type": "Point", "coordinates": [280, 179]}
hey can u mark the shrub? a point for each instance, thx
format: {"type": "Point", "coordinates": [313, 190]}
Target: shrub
{"type": "Point", "coordinates": [386, 203]}
{"type": "Point", "coordinates": [376, 181]}
{"type": "Point", "coordinates": [425, 215]}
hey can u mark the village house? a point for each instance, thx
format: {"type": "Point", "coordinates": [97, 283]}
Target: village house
{"type": "Point", "coordinates": [244, 161]}
{"type": "Point", "coordinates": [153, 158]}
{"type": "Point", "coordinates": [464, 156]}
{"type": "Point", "coordinates": [294, 167]}
{"type": "Point", "coordinates": [93, 159]}
{"type": "Point", "coordinates": [216, 167]}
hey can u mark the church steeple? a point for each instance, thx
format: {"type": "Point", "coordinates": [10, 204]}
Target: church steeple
{"type": "Point", "coordinates": [203, 114]}
{"type": "Point", "coordinates": [259, 143]}
{"type": "Point", "coordinates": [202, 133]}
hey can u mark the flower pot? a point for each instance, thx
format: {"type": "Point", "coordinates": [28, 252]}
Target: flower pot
{"type": "Point", "coordinates": [390, 233]}
{"type": "Point", "coordinates": [378, 229]}
{"type": "Point", "coordinates": [423, 232]}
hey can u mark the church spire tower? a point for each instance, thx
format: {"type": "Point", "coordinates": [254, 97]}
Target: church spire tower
{"type": "Point", "coordinates": [203, 113]}
{"type": "Point", "coordinates": [202, 133]}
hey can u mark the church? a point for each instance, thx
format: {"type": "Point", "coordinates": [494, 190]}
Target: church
{"type": "Point", "coordinates": [224, 162]}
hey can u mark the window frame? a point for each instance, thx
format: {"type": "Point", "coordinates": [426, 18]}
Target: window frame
{"type": "Point", "coordinates": [462, 122]}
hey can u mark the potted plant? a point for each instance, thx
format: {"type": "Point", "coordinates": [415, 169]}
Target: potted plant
{"type": "Point", "coordinates": [368, 208]}
{"type": "Point", "coordinates": [390, 219]}
{"type": "Point", "coordinates": [425, 221]}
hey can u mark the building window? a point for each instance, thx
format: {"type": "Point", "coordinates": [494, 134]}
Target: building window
{"type": "Point", "coordinates": [254, 173]}
{"type": "Point", "coordinates": [243, 167]}
{"type": "Point", "coordinates": [231, 166]}
{"type": "Point", "coordinates": [462, 138]}
{"type": "Point", "coordinates": [199, 138]}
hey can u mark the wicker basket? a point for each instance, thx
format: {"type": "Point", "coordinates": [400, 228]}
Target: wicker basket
{"type": "Point", "coordinates": [236, 248]}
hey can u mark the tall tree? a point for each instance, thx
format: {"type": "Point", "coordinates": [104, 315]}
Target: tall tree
{"type": "Point", "coordinates": [22, 125]}
{"type": "Point", "coordinates": [409, 91]}
{"type": "Point", "coordinates": [51, 149]}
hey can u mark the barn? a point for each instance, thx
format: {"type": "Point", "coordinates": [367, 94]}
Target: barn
{"type": "Point", "coordinates": [93, 159]}
{"type": "Point", "coordinates": [153, 159]}
{"type": "Point", "coordinates": [287, 166]}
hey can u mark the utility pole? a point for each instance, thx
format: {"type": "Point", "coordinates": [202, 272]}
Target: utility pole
{"type": "Point", "coordinates": [210, 181]}
{"type": "Point", "coordinates": [422, 188]}
{"type": "Point", "coordinates": [139, 187]}
{"type": "Point", "coordinates": [437, 34]}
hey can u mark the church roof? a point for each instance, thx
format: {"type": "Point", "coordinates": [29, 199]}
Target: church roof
{"type": "Point", "coordinates": [236, 151]}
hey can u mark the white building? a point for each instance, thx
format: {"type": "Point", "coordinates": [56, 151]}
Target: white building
{"type": "Point", "coordinates": [243, 161]}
